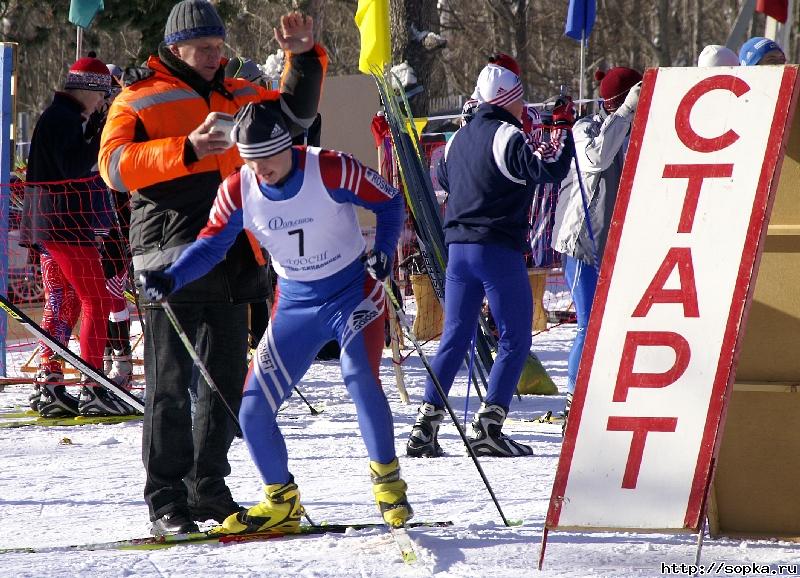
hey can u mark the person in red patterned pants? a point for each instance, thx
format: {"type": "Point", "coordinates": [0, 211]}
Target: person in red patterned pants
{"type": "Point", "coordinates": [59, 315]}
{"type": "Point", "coordinates": [59, 215]}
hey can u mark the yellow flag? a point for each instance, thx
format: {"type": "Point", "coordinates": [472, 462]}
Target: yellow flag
{"type": "Point", "coordinates": [419, 124]}
{"type": "Point", "coordinates": [372, 19]}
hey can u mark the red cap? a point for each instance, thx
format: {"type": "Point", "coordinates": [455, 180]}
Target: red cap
{"type": "Point", "coordinates": [506, 61]}
{"type": "Point", "coordinates": [615, 84]}
{"type": "Point", "coordinates": [89, 74]}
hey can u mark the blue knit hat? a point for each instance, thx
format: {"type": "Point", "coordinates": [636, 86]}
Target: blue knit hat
{"type": "Point", "coordinates": [754, 50]}
{"type": "Point", "coordinates": [193, 19]}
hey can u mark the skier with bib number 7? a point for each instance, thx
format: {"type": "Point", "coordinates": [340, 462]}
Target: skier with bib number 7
{"type": "Point", "coordinates": [299, 202]}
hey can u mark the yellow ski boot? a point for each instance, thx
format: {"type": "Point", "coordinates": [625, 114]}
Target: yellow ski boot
{"type": "Point", "coordinates": [390, 493]}
{"type": "Point", "coordinates": [279, 512]}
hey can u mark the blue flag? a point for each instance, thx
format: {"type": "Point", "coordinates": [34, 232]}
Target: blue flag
{"type": "Point", "coordinates": [580, 18]}
{"type": "Point", "coordinates": [82, 12]}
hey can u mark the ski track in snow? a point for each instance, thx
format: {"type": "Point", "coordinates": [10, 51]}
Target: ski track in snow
{"type": "Point", "coordinates": [56, 494]}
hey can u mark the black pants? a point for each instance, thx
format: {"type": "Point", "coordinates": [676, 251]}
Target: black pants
{"type": "Point", "coordinates": [186, 464]}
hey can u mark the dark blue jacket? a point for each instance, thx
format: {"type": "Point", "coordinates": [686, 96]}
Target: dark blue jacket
{"type": "Point", "coordinates": [64, 206]}
{"type": "Point", "coordinates": [490, 174]}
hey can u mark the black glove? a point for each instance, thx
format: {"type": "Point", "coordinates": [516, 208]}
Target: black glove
{"type": "Point", "coordinates": [109, 270]}
{"type": "Point", "coordinates": [94, 126]}
{"type": "Point", "coordinates": [156, 285]}
{"type": "Point", "coordinates": [378, 265]}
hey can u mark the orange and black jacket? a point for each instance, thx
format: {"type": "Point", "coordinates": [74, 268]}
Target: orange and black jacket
{"type": "Point", "coordinates": [145, 151]}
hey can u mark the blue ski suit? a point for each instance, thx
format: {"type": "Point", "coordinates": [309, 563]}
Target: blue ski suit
{"type": "Point", "coordinates": [490, 174]}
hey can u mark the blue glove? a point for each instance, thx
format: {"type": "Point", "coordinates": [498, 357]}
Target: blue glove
{"type": "Point", "coordinates": [378, 265]}
{"type": "Point", "coordinates": [157, 285]}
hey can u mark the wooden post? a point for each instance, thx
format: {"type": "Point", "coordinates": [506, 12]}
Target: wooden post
{"type": "Point", "coordinates": [395, 332]}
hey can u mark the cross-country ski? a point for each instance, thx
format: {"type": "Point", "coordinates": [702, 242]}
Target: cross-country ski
{"type": "Point", "coordinates": [395, 289]}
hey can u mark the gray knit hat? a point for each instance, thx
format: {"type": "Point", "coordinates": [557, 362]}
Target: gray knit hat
{"type": "Point", "coordinates": [193, 19]}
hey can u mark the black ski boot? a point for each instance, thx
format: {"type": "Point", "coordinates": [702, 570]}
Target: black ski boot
{"type": "Point", "coordinates": [423, 442]}
{"type": "Point", "coordinates": [178, 522]}
{"type": "Point", "coordinates": [50, 371]}
{"type": "Point", "coordinates": [487, 438]}
{"type": "Point", "coordinates": [95, 401]}
{"type": "Point", "coordinates": [217, 509]}
{"type": "Point", "coordinates": [56, 402]}
{"type": "Point", "coordinates": [566, 414]}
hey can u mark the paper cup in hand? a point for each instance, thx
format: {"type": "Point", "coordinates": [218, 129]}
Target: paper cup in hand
{"type": "Point", "coordinates": [224, 126]}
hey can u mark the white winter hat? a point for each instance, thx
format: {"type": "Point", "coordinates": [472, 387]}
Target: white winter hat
{"type": "Point", "coordinates": [497, 85]}
{"type": "Point", "coordinates": [716, 55]}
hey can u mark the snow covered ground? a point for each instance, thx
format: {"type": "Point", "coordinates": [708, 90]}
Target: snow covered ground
{"type": "Point", "coordinates": [90, 490]}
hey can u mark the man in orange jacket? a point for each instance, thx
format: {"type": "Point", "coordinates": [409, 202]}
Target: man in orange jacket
{"type": "Point", "coordinates": [166, 142]}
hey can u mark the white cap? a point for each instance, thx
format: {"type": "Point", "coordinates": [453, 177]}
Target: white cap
{"type": "Point", "coordinates": [497, 85]}
{"type": "Point", "coordinates": [716, 55]}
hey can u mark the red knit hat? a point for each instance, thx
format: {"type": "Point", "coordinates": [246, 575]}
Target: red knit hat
{"type": "Point", "coordinates": [89, 74]}
{"type": "Point", "coordinates": [615, 84]}
{"type": "Point", "coordinates": [506, 61]}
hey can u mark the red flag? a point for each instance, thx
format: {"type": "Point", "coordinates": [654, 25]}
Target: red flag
{"type": "Point", "coordinates": [777, 9]}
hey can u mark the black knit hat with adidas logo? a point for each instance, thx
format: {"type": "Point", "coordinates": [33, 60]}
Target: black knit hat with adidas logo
{"type": "Point", "coordinates": [260, 131]}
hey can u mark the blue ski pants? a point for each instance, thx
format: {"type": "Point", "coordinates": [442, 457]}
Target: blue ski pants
{"type": "Point", "coordinates": [354, 316]}
{"type": "Point", "coordinates": [499, 273]}
{"type": "Point", "coordinates": [582, 281]}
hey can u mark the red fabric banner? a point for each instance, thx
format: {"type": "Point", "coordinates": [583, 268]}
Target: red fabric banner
{"type": "Point", "coordinates": [777, 9]}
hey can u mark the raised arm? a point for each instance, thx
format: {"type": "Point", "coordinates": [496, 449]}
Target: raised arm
{"type": "Point", "coordinates": [306, 63]}
{"type": "Point", "coordinates": [597, 146]}
{"type": "Point", "coordinates": [547, 163]}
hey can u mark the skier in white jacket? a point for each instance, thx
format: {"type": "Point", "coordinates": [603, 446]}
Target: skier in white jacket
{"type": "Point", "coordinates": [600, 145]}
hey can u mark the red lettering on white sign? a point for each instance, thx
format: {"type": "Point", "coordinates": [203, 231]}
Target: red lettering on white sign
{"type": "Point", "coordinates": [626, 378]}
{"type": "Point", "coordinates": [696, 174]}
{"type": "Point", "coordinates": [640, 426]}
{"type": "Point", "coordinates": [683, 126]}
{"type": "Point", "coordinates": [686, 294]}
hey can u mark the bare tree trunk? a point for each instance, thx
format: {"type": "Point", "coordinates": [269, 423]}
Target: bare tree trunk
{"type": "Point", "coordinates": [411, 21]}
{"type": "Point", "coordinates": [520, 10]}
{"type": "Point", "coordinates": [697, 19]}
{"type": "Point", "coordinates": [315, 9]}
{"type": "Point", "coordinates": [664, 55]}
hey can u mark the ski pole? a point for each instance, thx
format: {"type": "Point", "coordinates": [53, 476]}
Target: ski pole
{"type": "Point", "coordinates": [197, 361]}
{"type": "Point", "coordinates": [404, 323]}
{"type": "Point", "coordinates": [204, 371]}
{"type": "Point", "coordinates": [314, 411]}
{"type": "Point", "coordinates": [72, 358]}
{"type": "Point", "coordinates": [585, 204]}
{"type": "Point", "coordinates": [469, 374]}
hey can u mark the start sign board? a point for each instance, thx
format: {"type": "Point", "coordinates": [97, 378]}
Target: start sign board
{"type": "Point", "coordinates": [671, 303]}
